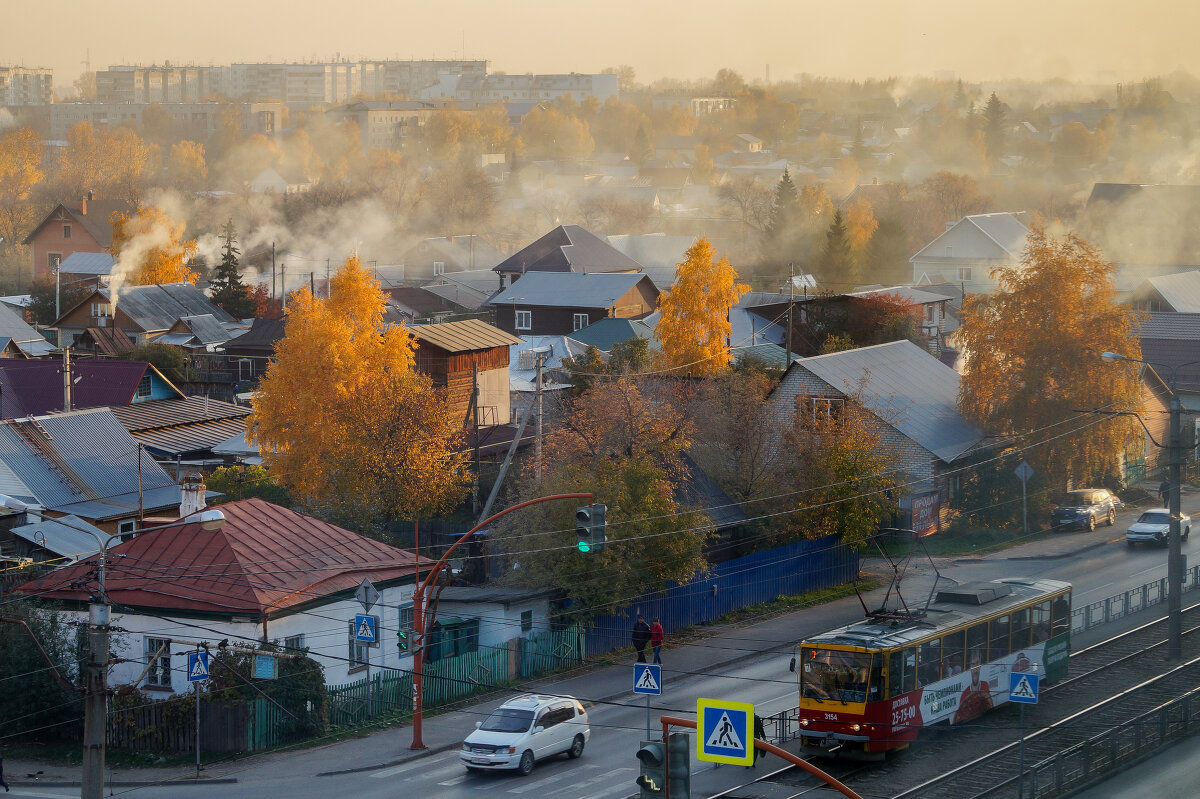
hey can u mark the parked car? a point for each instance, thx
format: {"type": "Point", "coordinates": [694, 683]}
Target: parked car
{"type": "Point", "coordinates": [1153, 526]}
{"type": "Point", "coordinates": [1085, 508]}
{"type": "Point", "coordinates": [524, 730]}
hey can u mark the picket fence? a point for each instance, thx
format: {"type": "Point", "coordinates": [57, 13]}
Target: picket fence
{"type": "Point", "coordinates": [749, 580]}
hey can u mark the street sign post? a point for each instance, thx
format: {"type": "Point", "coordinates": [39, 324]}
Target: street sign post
{"type": "Point", "coordinates": [1022, 689]}
{"type": "Point", "coordinates": [197, 666]}
{"type": "Point", "coordinates": [1024, 471]}
{"type": "Point", "coordinates": [366, 629]}
{"type": "Point", "coordinates": [647, 679]}
{"type": "Point", "coordinates": [366, 595]}
{"type": "Point", "coordinates": [725, 732]}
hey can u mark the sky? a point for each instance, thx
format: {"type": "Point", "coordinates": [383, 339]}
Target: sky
{"type": "Point", "coordinates": [1106, 40]}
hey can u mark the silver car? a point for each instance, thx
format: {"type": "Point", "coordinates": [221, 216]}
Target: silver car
{"type": "Point", "coordinates": [524, 730]}
{"type": "Point", "coordinates": [1153, 526]}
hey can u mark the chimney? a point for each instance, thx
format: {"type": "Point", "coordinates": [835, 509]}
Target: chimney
{"type": "Point", "coordinates": [83, 201]}
{"type": "Point", "coordinates": [191, 495]}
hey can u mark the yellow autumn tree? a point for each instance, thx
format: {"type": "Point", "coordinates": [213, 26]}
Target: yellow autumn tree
{"type": "Point", "coordinates": [344, 421]}
{"type": "Point", "coordinates": [694, 328]}
{"type": "Point", "coordinates": [150, 248]}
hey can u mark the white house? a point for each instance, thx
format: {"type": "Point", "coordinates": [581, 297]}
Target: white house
{"type": "Point", "coordinates": [273, 575]}
{"type": "Point", "coordinates": [970, 249]}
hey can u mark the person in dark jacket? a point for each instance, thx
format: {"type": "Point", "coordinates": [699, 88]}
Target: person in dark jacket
{"type": "Point", "coordinates": [641, 637]}
{"type": "Point", "coordinates": [2, 782]}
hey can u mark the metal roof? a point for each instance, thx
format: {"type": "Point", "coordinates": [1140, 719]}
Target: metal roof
{"type": "Point", "coordinates": [187, 568]}
{"type": "Point", "coordinates": [469, 335]}
{"type": "Point", "coordinates": [604, 333]}
{"type": "Point", "coordinates": [906, 293]}
{"type": "Point", "coordinates": [904, 386]}
{"type": "Point", "coordinates": [259, 339]}
{"type": "Point", "coordinates": [766, 353]}
{"type": "Point", "coordinates": [570, 289]}
{"type": "Point", "coordinates": [14, 327]}
{"type": "Point", "coordinates": [1005, 229]}
{"type": "Point", "coordinates": [206, 328]}
{"type": "Point", "coordinates": [1181, 290]}
{"type": "Point", "coordinates": [181, 427]}
{"type": "Point", "coordinates": [1170, 325]}
{"type": "Point", "coordinates": [88, 263]}
{"type": "Point", "coordinates": [158, 307]}
{"type": "Point", "coordinates": [568, 248]}
{"type": "Point", "coordinates": [62, 537]}
{"type": "Point", "coordinates": [32, 387]}
{"type": "Point", "coordinates": [82, 456]}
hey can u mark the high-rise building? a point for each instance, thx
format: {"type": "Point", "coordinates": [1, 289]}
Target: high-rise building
{"type": "Point", "coordinates": [408, 78]}
{"type": "Point", "coordinates": [317, 83]}
{"type": "Point", "coordinates": [165, 84]}
{"type": "Point", "coordinates": [26, 86]}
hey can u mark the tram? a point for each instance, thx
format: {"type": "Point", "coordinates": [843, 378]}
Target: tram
{"type": "Point", "coordinates": [869, 687]}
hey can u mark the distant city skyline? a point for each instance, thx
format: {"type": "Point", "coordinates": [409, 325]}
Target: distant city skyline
{"type": "Point", "coordinates": [1100, 40]}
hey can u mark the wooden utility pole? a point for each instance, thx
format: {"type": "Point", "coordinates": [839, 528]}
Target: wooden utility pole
{"type": "Point", "coordinates": [537, 456]}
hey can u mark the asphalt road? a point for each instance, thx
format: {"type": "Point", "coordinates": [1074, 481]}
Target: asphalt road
{"type": "Point", "coordinates": [1099, 564]}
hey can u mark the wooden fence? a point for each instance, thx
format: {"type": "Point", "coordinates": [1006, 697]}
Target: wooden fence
{"type": "Point", "coordinates": [170, 726]}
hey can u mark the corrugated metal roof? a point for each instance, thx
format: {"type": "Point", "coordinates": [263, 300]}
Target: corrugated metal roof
{"type": "Point", "coordinates": [1006, 229]}
{"type": "Point", "coordinates": [33, 387]}
{"type": "Point", "coordinates": [14, 327]}
{"type": "Point", "coordinates": [158, 307]}
{"type": "Point", "coordinates": [99, 455]}
{"type": "Point", "coordinates": [469, 335]}
{"type": "Point", "coordinates": [604, 333]}
{"type": "Point", "coordinates": [263, 560]}
{"type": "Point", "coordinates": [767, 353]}
{"type": "Point", "coordinates": [568, 248]}
{"type": "Point", "coordinates": [207, 328]}
{"type": "Point", "coordinates": [569, 289]}
{"type": "Point", "coordinates": [63, 537]}
{"type": "Point", "coordinates": [907, 388]}
{"type": "Point", "coordinates": [189, 438]}
{"type": "Point", "coordinates": [1181, 290]}
{"type": "Point", "coordinates": [167, 413]}
{"type": "Point", "coordinates": [1171, 325]}
{"type": "Point", "coordinates": [907, 293]}
{"type": "Point", "coordinates": [88, 263]}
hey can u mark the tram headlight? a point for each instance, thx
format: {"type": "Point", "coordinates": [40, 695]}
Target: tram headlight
{"type": "Point", "coordinates": [803, 722]}
{"type": "Point", "coordinates": [855, 727]}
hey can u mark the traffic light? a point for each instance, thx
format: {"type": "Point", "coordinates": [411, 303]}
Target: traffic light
{"type": "Point", "coordinates": [679, 765]}
{"type": "Point", "coordinates": [583, 529]}
{"type": "Point", "coordinates": [599, 538]}
{"type": "Point", "coordinates": [652, 780]}
{"type": "Point", "coordinates": [402, 640]}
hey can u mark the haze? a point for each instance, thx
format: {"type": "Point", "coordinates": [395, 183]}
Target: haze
{"type": "Point", "coordinates": [1090, 41]}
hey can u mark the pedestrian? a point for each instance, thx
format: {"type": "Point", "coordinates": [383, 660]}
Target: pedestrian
{"type": "Point", "coordinates": [656, 639]}
{"type": "Point", "coordinates": [2, 782]}
{"type": "Point", "coordinates": [641, 637]}
{"type": "Point", "coordinates": [1164, 493]}
{"type": "Point", "coordinates": [760, 732]}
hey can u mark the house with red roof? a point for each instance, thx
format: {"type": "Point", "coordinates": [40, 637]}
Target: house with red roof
{"type": "Point", "coordinates": [273, 574]}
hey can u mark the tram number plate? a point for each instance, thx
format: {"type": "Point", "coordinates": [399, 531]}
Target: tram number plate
{"type": "Point", "coordinates": [831, 717]}
{"type": "Point", "coordinates": [902, 716]}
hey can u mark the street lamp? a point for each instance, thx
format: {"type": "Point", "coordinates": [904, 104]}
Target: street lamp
{"type": "Point", "coordinates": [1174, 545]}
{"type": "Point", "coordinates": [96, 690]}
{"type": "Point", "coordinates": [419, 607]}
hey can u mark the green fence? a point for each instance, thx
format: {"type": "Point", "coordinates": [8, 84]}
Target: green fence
{"type": "Point", "coordinates": [268, 725]}
{"type": "Point", "coordinates": [550, 650]}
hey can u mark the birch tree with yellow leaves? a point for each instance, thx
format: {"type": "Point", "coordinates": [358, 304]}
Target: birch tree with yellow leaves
{"type": "Point", "coordinates": [344, 421]}
{"type": "Point", "coordinates": [150, 248]}
{"type": "Point", "coordinates": [694, 327]}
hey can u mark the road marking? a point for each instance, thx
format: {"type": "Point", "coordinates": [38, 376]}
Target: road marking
{"type": "Point", "coordinates": [422, 763]}
{"type": "Point", "coordinates": [454, 780]}
{"type": "Point", "coordinates": [617, 786]}
{"type": "Point", "coordinates": [533, 785]}
{"type": "Point", "coordinates": [18, 792]}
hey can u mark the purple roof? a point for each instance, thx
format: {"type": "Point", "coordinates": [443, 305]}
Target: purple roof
{"type": "Point", "coordinates": [33, 387]}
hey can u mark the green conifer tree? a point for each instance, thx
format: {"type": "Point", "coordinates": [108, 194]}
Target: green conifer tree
{"type": "Point", "coordinates": [836, 265]}
{"type": "Point", "coordinates": [228, 290]}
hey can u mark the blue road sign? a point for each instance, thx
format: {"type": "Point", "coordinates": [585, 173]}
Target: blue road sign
{"type": "Point", "coordinates": [1023, 687]}
{"type": "Point", "coordinates": [647, 678]}
{"type": "Point", "coordinates": [366, 629]}
{"type": "Point", "coordinates": [725, 732]}
{"type": "Point", "coordinates": [197, 666]}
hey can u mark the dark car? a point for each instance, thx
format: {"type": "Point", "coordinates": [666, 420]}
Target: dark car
{"type": "Point", "coordinates": [1085, 508]}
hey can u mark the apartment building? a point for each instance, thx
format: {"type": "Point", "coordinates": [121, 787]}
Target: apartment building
{"type": "Point", "coordinates": [299, 84]}
{"type": "Point", "coordinates": [26, 86]}
{"type": "Point", "coordinates": [161, 84]}
{"type": "Point", "coordinates": [193, 120]}
{"type": "Point", "coordinates": [408, 78]}
{"type": "Point", "coordinates": [385, 123]}
{"type": "Point", "coordinates": [492, 88]}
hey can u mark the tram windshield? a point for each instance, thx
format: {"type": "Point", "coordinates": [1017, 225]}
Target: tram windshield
{"type": "Point", "coordinates": [834, 675]}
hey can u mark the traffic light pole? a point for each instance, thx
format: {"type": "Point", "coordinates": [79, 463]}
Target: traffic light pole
{"type": "Point", "coordinates": [419, 608]}
{"type": "Point", "coordinates": [668, 721]}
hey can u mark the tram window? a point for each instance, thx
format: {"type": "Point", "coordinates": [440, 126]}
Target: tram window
{"type": "Point", "coordinates": [999, 645]}
{"type": "Point", "coordinates": [1041, 622]}
{"type": "Point", "coordinates": [1020, 629]}
{"type": "Point", "coordinates": [953, 653]}
{"type": "Point", "coordinates": [1060, 616]}
{"type": "Point", "coordinates": [902, 672]}
{"type": "Point", "coordinates": [977, 644]}
{"type": "Point", "coordinates": [875, 686]}
{"type": "Point", "coordinates": [930, 660]}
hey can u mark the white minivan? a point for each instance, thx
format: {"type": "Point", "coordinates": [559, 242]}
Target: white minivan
{"type": "Point", "coordinates": [524, 730]}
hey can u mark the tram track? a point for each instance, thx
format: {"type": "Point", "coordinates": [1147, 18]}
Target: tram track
{"type": "Point", "coordinates": [1106, 684]}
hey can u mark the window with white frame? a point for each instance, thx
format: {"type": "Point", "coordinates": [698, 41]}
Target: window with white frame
{"type": "Point", "coordinates": [145, 386]}
{"type": "Point", "coordinates": [813, 411]}
{"type": "Point", "coordinates": [964, 273]}
{"type": "Point", "coordinates": [439, 267]}
{"type": "Point", "coordinates": [406, 619]}
{"type": "Point", "coordinates": [100, 309]}
{"type": "Point", "coordinates": [294, 643]}
{"type": "Point", "coordinates": [524, 320]}
{"type": "Point", "coordinates": [581, 321]}
{"type": "Point", "coordinates": [159, 673]}
{"type": "Point", "coordinates": [126, 529]}
{"type": "Point", "coordinates": [358, 652]}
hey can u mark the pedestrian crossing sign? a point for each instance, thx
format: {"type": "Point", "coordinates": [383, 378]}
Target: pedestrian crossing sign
{"type": "Point", "coordinates": [1023, 687]}
{"type": "Point", "coordinates": [366, 629]}
{"type": "Point", "coordinates": [197, 666]}
{"type": "Point", "coordinates": [647, 678]}
{"type": "Point", "coordinates": [725, 732]}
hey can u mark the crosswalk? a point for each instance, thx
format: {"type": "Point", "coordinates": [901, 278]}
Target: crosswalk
{"type": "Point", "coordinates": [586, 780]}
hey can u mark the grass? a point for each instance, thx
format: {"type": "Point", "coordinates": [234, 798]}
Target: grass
{"type": "Point", "coordinates": [69, 754]}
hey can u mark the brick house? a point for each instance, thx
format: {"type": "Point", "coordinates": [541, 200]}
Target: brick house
{"type": "Point", "coordinates": [68, 229]}
{"type": "Point", "coordinates": [559, 303]}
{"type": "Point", "coordinates": [459, 356]}
{"type": "Point", "coordinates": [913, 400]}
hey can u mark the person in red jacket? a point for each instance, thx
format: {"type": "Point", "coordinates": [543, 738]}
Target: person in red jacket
{"type": "Point", "coordinates": [656, 639]}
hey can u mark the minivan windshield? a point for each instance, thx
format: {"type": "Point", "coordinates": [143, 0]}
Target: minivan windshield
{"type": "Point", "coordinates": [1154, 517]}
{"type": "Point", "coordinates": [508, 720]}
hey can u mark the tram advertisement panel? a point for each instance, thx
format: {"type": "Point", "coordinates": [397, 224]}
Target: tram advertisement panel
{"type": "Point", "coordinates": [971, 693]}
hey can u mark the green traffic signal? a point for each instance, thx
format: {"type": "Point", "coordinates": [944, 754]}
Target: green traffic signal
{"type": "Point", "coordinates": [402, 641]}
{"type": "Point", "coordinates": [583, 529]}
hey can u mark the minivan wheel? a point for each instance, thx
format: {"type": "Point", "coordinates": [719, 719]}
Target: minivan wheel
{"type": "Point", "coordinates": [576, 747]}
{"type": "Point", "coordinates": [526, 766]}
{"type": "Point", "coordinates": [1112, 517]}
{"type": "Point", "coordinates": [1091, 524]}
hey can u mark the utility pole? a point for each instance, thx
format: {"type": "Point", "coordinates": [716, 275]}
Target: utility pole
{"type": "Point", "coordinates": [1174, 553]}
{"type": "Point", "coordinates": [475, 422]}
{"type": "Point", "coordinates": [312, 283]}
{"type": "Point", "coordinates": [791, 299]}
{"type": "Point", "coordinates": [66, 378]}
{"type": "Point", "coordinates": [326, 278]}
{"type": "Point", "coordinates": [283, 285]}
{"type": "Point", "coordinates": [272, 270]}
{"type": "Point", "coordinates": [537, 457]}
{"type": "Point", "coordinates": [95, 711]}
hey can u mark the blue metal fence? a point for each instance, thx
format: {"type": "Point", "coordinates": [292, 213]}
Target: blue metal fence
{"type": "Point", "coordinates": [748, 580]}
